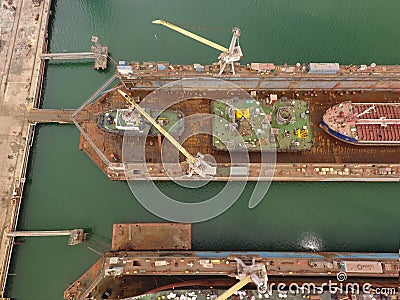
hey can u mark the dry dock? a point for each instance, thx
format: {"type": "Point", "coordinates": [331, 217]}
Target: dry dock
{"type": "Point", "coordinates": [23, 39]}
{"type": "Point", "coordinates": [130, 274]}
{"type": "Point", "coordinates": [328, 159]}
{"type": "Point", "coordinates": [127, 273]}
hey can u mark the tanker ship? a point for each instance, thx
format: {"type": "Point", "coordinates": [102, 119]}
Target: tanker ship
{"type": "Point", "coordinates": [364, 123]}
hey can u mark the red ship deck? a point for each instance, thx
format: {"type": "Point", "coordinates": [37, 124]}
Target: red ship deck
{"type": "Point", "coordinates": [387, 111]}
{"type": "Point", "coordinates": [378, 133]}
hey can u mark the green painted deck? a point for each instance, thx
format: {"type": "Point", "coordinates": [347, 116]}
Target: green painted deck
{"type": "Point", "coordinates": [254, 125]}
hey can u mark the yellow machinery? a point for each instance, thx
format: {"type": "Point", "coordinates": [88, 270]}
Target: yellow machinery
{"type": "Point", "coordinates": [228, 55]}
{"type": "Point", "coordinates": [245, 113]}
{"type": "Point", "coordinates": [196, 164]}
{"type": "Point", "coordinates": [302, 133]}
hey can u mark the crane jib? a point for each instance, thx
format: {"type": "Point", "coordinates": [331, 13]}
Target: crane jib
{"type": "Point", "coordinates": [191, 35]}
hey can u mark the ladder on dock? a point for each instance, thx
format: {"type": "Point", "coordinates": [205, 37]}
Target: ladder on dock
{"type": "Point", "coordinates": [76, 236]}
{"type": "Point", "coordinates": [97, 52]}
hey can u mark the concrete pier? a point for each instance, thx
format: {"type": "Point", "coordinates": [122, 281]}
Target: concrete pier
{"type": "Point", "coordinates": [23, 39]}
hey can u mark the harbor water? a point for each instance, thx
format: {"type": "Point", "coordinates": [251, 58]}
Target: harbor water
{"type": "Point", "coordinates": [66, 190]}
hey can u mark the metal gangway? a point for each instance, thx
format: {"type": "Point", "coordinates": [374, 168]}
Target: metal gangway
{"type": "Point", "coordinates": [76, 236]}
{"type": "Point", "coordinates": [66, 55]}
{"type": "Point", "coordinates": [97, 52]}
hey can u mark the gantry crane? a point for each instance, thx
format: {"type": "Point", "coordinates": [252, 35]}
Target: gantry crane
{"type": "Point", "coordinates": [196, 164]}
{"type": "Point", "coordinates": [256, 273]}
{"type": "Point", "coordinates": [227, 56]}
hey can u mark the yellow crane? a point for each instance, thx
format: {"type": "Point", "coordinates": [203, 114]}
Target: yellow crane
{"type": "Point", "coordinates": [235, 288]}
{"type": "Point", "coordinates": [228, 55]}
{"type": "Point", "coordinates": [256, 273]}
{"type": "Point", "coordinates": [191, 35]}
{"type": "Point", "coordinates": [196, 164]}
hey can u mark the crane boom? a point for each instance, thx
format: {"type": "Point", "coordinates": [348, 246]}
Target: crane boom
{"type": "Point", "coordinates": [233, 289]}
{"type": "Point", "coordinates": [191, 35]}
{"type": "Point", "coordinates": [188, 156]}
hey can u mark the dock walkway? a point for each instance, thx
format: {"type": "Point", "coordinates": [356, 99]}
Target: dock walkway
{"type": "Point", "coordinates": [61, 116]}
{"type": "Point", "coordinates": [21, 70]}
{"type": "Point", "coordinates": [76, 236]}
{"type": "Point", "coordinates": [68, 56]}
{"type": "Point", "coordinates": [97, 52]}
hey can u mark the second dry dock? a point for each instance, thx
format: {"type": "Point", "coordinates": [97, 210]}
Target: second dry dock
{"type": "Point", "coordinates": [124, 273]}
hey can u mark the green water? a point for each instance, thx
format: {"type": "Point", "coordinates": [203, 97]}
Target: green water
{"type": "Point", "coordinates": [66, 190]}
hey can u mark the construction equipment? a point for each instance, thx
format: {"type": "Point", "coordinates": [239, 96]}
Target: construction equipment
{"type": "Point", "coordinates": [196, 164]}
{"type": "Point", "coordinates": [227, 56]}
{"type": "Point", "coordinates": [256, 273]}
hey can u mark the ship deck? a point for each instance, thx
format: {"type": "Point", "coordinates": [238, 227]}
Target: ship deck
{"type": "Point", "coordinates": [378, 133]}
{"type": "Point", "coordinates": [365, 123]}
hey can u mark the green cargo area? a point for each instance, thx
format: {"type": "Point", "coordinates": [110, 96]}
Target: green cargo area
{"type": "Point", "coordinates": [262, 125]}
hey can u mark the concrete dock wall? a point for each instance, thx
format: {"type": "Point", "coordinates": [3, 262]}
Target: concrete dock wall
{"type": "Point", "coordinates": [24, 29]}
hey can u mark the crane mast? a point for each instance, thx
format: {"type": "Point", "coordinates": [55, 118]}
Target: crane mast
{"type": "Point", "coordinates": [196, 164]}
{"type": "Point", "coordinates": [227, 56]}
{"type": "Point", "coordinates": [234, 53]}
